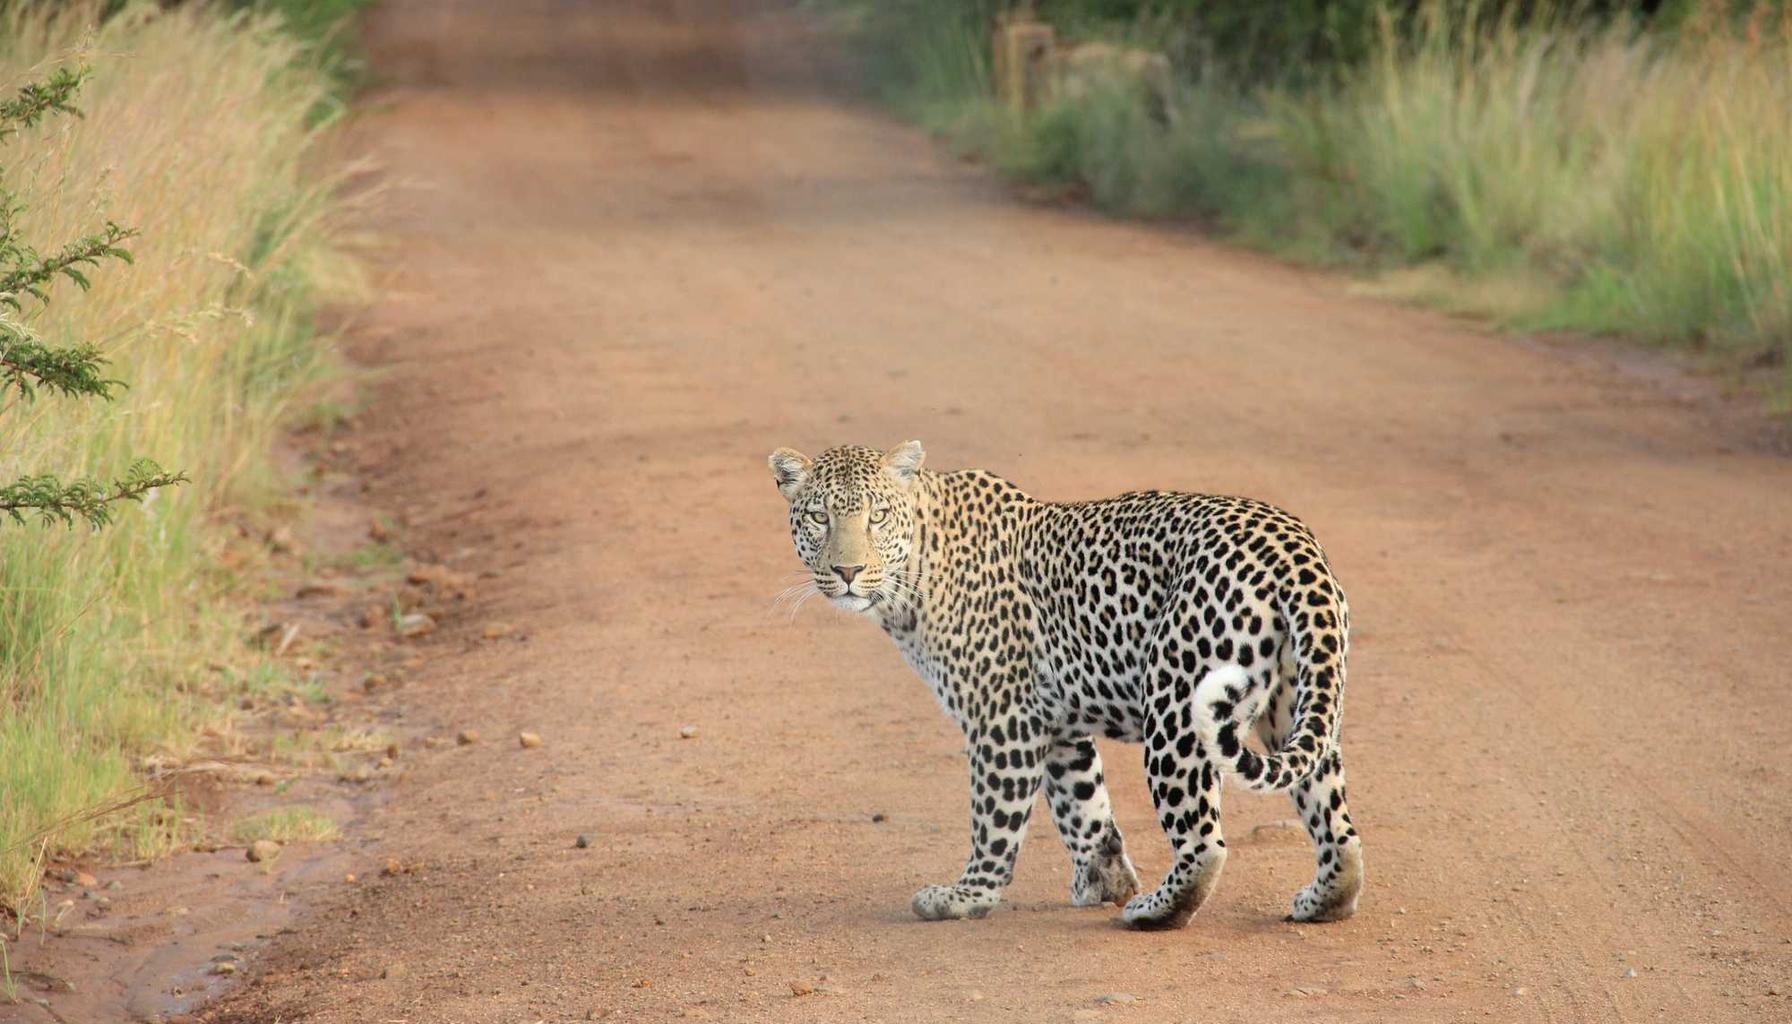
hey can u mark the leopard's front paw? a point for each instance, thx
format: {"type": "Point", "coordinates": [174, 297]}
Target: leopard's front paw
{"type": "Point", "coordinates": [1108, 878]}
{"type": "Point", "coordinates": [952, 902]}
{"type": "Point", "coordinates": [1183, 891]}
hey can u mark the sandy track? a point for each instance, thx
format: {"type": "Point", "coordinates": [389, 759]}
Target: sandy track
{"type": "Point", "coordinates": [646, 247]}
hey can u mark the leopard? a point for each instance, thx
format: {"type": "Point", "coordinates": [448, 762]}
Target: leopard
{"type": "Point", "coordinates": [1191, 624]}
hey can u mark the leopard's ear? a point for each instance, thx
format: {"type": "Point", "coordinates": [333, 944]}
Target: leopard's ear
{"type": "Point", "coordinates": [904, 461]}
{"type": "Point", "coordinates": [790, 468]}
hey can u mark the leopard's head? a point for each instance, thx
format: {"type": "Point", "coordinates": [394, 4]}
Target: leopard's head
{"type": "Point", "coordinates": [852, 516]}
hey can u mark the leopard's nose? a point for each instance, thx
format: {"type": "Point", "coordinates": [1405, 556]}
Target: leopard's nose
{"type": "Point", "coordinates": [848, 572]}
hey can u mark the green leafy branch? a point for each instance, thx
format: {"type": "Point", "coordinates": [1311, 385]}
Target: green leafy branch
{"type": "Point", "coordinates": [88, 500]}
{"type": "Point", "coordinates": [31, 272]}
{"type": "Point", "coordinates": [27, 365]}
{"type": "Point", "coordinates": [52, 95]}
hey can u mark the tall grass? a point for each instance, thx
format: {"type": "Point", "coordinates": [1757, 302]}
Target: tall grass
{"type": "Point", "coordinates": [929, 58]}
{"type": "Point", "coordinates": [1549, 171]}
{"type": "Point", "coordinates": [195, 132]}
{"type": "Point", "coordinates": [1642, 184]}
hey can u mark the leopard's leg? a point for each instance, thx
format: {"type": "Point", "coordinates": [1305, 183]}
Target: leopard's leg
{"type": "Point", "coordinates": [1319, 799]}
{"type": "Point", "coordinates": [1007, 764]}
{"type": "Point", "coordinates": [1078, 794]}
{"type": "Point", "coordinates": [1185, 786]}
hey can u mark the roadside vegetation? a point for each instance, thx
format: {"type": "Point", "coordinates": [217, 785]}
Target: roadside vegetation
{"type": "Point", "coordinates": [284, 825]}
{"type": "Point", "coordinates": [1552, 167]}
{"type": "Point", "coordinates": [119, 647]}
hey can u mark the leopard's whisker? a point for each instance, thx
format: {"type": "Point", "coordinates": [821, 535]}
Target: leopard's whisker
{"type": "Point", "coordinates": [801, 601]}
{"type": "Point", "coordinates": [793, 596]}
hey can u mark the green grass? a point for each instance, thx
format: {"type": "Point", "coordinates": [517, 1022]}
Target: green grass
{"type": "Point", "coordinates": [284, 825]}
{"type": "Point", "coordinates": [197, 128]}
{"type": "Point", "coordinates": [1550, 173]}
{"type": "Point", "coordinates": [374, 555]}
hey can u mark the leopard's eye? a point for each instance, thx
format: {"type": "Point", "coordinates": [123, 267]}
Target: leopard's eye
{"type": "Point", "coordinates": [819, 518]}
{"type": "Point", "coordinates": [878, 515]}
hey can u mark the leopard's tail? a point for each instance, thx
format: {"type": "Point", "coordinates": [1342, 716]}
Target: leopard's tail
{"type": "Point", "coordinates": [1227, 700]}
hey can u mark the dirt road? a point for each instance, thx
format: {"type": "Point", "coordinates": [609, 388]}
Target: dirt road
{"type": "Point", "coordinates": [645, 245]}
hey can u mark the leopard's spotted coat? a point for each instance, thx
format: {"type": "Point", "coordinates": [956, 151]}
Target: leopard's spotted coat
{"type": "Point", "coordinates": [1184, 621]}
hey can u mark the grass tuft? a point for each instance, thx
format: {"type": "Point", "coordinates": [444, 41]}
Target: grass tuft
{"type": "Point", "coordinates": [284, 825]}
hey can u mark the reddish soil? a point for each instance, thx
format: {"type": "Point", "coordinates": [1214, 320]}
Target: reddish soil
{"type": "Point", "coordinates": [644, 245]}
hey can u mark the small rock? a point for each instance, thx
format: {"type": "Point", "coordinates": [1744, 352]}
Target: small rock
{"type": "Point", "coordinates": [583, 842]}
{"type": "Point", "coordinates": [1519, 991]}
{"type": "Point", "coordinates": [496, 630]}
{"type": "Point", "coordinates": [265, 778]}
{"type": "Point", "coordinates": [1116, 999]}
{"type": "Point", "coordinates": [687, 732]}
{"type": "Point", "coordinates": [377, 531]}
{"type": "Point", "coordinates": [227, 956]}
{"type": "Point", "coordinates": [223, 967]}
{"type": "Point", "coordinates": [263, 850]}
{"type": "Point", "coordinates": [1630, 972]}
{"type": "Point", "coordinates": [393, 972]}
{"type": "Point", "coordinates": [434, 742]}
{"type": "Point", "coordinates": [528, 740]}
{"type": "Point", "coordinates": [113, 883]}
{"type": "Point", "coordinates": [879, 818]}
{"type": "Point", "coordinates": [800, 987]}
{"type": "Point", "coordinates": [975, 996]}
{"type": "Point", "coordinates": [373, 681]}
{"type": "Point", "coordinates": [318, 588]}
{"type": "Point", "coordinates": [416, 624]}
{"type": "Point", "coordinates": [467, 737]}
{"type": "Point", "coordinates": [349, 877]}
{"type": "Point", "coordinates": [83, 878]}
{"type": "Point", "coordinates": [392, 867]}
{"type": "Point", "coordinates": [1304, 991]}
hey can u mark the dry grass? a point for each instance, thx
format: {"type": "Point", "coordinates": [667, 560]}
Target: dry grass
{"type": "Point", "coordinates": [1646, 180]}
{"type": "Point", "coordinates": [196, 132]}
